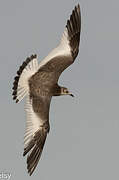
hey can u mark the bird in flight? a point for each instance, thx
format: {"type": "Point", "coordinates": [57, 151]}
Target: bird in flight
{"type": "Point", "coordinates": [39, 83]}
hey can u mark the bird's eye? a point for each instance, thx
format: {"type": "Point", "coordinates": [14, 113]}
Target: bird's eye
{"type": "Point", "coordinates": [66, 91]}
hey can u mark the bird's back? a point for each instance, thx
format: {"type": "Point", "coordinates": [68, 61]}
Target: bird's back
{"type": "Point", "coordinates": [44, 80]}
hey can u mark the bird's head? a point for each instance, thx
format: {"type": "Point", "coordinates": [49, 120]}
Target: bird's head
{"type": "Point", "coordinates": [65, 91]}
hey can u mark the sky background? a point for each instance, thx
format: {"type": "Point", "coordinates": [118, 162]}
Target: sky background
{"type": "Point", "coordinates": [83, 142]}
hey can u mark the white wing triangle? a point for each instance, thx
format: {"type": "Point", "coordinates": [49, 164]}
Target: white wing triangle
{"type": "Point", "coordinates": [63, 49]}
{"type": "Point", "coordinates": [33, 122]}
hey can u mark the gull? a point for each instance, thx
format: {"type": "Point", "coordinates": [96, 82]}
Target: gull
{"type": "Point", "coordinates": [39, 83]}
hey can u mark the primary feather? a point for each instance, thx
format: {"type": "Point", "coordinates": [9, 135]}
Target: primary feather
{"type": "Point", "coordinates": [40, 82]}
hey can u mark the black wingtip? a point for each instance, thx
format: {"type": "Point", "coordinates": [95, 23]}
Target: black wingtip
{"type": "Point", "coordinates": [19, 72]}
{"type": "Point", "coordinates": [24, 154]}
{"type": "Point", "coordinates": [17, 100]}
{"type": "Point", "coordinates": [74, 28]}
{"type": "Point", "coordinates": [35, 147]}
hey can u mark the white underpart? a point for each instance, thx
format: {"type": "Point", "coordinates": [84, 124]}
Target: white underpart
{"type": "Point", "coordinates": [33, 122]}
{"type": "Point", "coordinates": [63, 49]}
{"type": "Point", "coordinates": [29, 70]}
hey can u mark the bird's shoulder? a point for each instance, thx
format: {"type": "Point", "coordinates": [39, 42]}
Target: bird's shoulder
{"type": "Point", "coordinates": [49, 73]}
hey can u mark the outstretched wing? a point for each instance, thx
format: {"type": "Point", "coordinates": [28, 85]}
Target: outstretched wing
{"type": "Point", "coordinates": [26, 70]}
{"type": "Point", "coordinates": [74, 28]}
{"type": "Point", "coordinates": [64, 55]}
{"type": "Point", "coordinates": [37, 127]}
